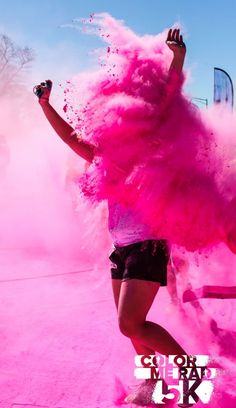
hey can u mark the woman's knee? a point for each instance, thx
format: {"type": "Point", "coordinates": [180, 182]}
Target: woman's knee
{"type": "Point", "coordinates": [128, 327]}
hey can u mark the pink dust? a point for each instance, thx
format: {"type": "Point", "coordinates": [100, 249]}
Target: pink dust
{"type": "Point", "coordinates": [61, 346]}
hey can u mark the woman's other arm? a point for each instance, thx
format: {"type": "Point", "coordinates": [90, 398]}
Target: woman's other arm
{"type": "Point", "coordinates": [61, 127]}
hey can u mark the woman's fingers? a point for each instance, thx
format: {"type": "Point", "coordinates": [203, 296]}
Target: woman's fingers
{"type": "Point", "coordinates": [174, 32]}
{"type": "Point", "coordinates": [49, 84]}
{"type": "Point", "coordinates": [177, 39]}
{"type": "Point", "coordinates": [169, 35]}
{"type": "Point", "coordinates": [175, 36]}
{"type": "Point", "coordinates": [43, 88]}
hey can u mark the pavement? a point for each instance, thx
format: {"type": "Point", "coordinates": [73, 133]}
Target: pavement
{"type": "Point", "coordinates": [60, 342]}
{"type": "Point", "coordinates": [58, 334]}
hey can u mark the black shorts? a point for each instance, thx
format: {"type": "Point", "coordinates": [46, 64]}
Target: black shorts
{"type": "Point", "coordinates": [146, 260]}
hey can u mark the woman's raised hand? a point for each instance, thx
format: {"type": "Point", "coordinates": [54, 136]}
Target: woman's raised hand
{"type": "Point", "coordinates": [43, 91]}
{"type": "Point", "coordinates": [175, 42]}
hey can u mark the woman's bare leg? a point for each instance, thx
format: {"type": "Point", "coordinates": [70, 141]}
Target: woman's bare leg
{"type": "Point", "coordinates": [135, 299]}
{"type": "Point", "coordinates": [139, 347]}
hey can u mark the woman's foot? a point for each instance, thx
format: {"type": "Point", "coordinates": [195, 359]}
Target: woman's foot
{"type": "Point", "coordinates": [142, 395]}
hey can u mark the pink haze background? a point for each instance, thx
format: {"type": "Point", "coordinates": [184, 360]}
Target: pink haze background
{"type": "Point", "coordinates": [61, 346]}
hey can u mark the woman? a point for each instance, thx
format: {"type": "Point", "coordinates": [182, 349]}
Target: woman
{"type": "Point", "coordinates": [139, 260]}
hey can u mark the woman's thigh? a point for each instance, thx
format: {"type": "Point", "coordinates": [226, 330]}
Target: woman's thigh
{"type": "Point", "coordinates": [135, 299]}
{"type": "Point", "coordinates": [116, 285]}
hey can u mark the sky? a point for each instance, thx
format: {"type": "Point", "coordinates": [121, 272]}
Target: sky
{"type": "Point", "coordinates": [60, 51]}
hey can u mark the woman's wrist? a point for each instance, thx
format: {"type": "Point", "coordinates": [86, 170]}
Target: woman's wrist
{"type": "Point", "coordinates": [44, 103]}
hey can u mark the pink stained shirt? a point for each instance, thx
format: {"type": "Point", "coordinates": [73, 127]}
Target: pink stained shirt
{"type": "Point", "coordinates": [125, 227]}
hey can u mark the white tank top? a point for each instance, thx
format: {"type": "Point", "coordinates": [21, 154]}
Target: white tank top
{"type": "Point", "coordinates": [125, 227]}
